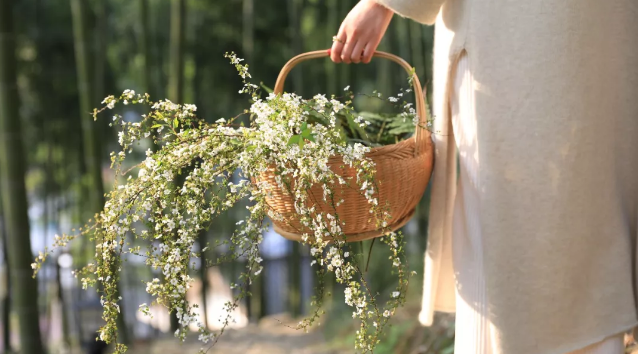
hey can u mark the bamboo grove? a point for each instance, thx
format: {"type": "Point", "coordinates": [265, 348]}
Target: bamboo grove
{"type": "Point", "coordinates": [59, 58]}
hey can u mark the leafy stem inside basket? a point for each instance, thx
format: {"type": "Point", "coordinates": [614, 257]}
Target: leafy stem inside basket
{"type": "Point", "coordinates": [378, 129]}
{"type": "Point", "coordinates": [365, 127]}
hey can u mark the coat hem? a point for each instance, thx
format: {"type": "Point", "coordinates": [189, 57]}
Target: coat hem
{"type": "Point", "coordinates": [584, 343]}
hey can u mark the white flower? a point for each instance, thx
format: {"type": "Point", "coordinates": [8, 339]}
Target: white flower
{"type": "Point", "coordinates": [103, 335]}
{"type": "Point", "coordinates": [395, 294]}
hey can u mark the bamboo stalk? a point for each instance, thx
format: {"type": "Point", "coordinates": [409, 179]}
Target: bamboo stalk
{"type": "Point", "coordinates": [332, 28]}
{"type": "Point", "coordinates": [14, 195]}
{"type": "Point", "coordinates": [248, 29]}
{"type": "Point", "coordinates": [176, 55]}
{"type": "Point", "coordinates": [145, 47]}
{"type": "Point", "coordinates": [6, 301]}
{"type": "Point", "coordinates": [295, 41]}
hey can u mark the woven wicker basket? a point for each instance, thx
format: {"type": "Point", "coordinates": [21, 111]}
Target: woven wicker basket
{"type": "Point", "coordinates": [402, 173]}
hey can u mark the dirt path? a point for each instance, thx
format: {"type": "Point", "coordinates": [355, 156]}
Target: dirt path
{"type": "Point", "coordinates": [269, 337]}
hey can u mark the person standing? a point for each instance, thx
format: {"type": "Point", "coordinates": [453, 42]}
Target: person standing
{"type": "Point", "coordinates": [534, 245]}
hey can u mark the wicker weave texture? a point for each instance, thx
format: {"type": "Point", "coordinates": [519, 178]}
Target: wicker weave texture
{"type": "Point", "coordinates": [402, 174]}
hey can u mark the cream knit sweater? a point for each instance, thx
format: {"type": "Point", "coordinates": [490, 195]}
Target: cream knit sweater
{"type": "Point", "coordinates": [556, 100]}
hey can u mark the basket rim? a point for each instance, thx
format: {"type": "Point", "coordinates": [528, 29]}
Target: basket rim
{"type": "Point", "coordinates": [379, 151]}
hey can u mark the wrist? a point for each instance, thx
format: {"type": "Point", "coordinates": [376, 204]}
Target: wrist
{"type": "Point", "coordinates": [379, 5]}
{"type": "Point", "coordinates": [376, 3]}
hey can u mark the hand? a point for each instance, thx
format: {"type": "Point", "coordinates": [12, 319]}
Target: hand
{"type": "Point", "coordinates": [361, 32]}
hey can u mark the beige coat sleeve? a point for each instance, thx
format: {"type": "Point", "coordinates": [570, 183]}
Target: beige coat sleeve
{"type": "Point", "coordinates": [424, 11]}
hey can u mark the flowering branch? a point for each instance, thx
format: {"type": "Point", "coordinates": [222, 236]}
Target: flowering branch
{"type": "Point", "coordinates": [205, 158]}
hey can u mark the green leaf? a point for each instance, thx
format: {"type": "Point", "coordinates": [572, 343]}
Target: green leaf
{"type": "Point", "coordinates": [400, 130]}
{"type": "Point", "coordinates": [294, 140]}
{"type": "Point", "coordinates": [306, 133]}
{"type": "Point", "coordinates": [304, 126]}
{"type": "Point", "coordinates": [266, 88]}
{"type": "Point", "coordinates": [175, 123]}
{"type": "Point", "coordinates": [311, 137]}
{"type": "Point", "coordinates": [316, 118]}
{"type": "Point", "coordinates": [250, 148]}
{"type": "Point", "coordinates": [372, 117]}
{"type": "Point", "coordinates": [156, 126]}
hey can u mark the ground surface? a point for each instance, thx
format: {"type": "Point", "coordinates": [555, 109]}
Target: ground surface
{"type": "Point", "coordinates": [270, 336]}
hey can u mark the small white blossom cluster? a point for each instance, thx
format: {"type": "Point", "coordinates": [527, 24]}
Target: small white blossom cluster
{"type": "Point", "coordinates": [183, 186]}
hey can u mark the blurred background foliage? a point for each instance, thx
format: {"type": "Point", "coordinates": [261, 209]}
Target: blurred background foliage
{"type": "Point", "coordinates": [70, 54]}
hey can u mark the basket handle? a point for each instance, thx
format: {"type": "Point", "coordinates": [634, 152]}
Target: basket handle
{"type": "Point", "coordinates": [420, 132]}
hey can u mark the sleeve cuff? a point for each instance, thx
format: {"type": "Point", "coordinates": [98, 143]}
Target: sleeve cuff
{"type": "Point", "coordinates": [423, 11]}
